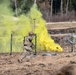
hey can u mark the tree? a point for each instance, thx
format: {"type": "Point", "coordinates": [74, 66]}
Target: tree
{"type": "Point", "coordinates": [61, 7]}
{"type": "Point", "coordinates": [67, 7]}
{"type": "Point", "coordinates": [51, 8]}
{"type": "Point", "coordinates": [23, 6]}
{"type": "Point", "coordinates": [16, 8]}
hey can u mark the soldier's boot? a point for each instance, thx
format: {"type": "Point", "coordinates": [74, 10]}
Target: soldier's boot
{"type": "Point", "coordinates": [19, 60]}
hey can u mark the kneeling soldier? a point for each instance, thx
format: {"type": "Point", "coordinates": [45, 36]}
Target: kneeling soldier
{"type": "Point", "coordinates": [28, 46]}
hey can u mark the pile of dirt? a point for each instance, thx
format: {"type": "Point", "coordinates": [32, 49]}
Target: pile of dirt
{"type": "Point", "coordinates": [67, 70]}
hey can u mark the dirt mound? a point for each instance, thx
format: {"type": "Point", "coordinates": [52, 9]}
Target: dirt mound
{"type": "Point", "coordinates": [69, 69]}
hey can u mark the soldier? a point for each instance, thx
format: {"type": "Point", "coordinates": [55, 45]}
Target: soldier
{"type": "Point", "coordinates": [28, 46]}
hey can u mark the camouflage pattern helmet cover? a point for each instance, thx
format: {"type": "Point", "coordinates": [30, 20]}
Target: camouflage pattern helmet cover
{"type": "Point", "coordinates": [31, 33]}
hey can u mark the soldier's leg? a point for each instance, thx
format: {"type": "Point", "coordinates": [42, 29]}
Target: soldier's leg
{"type": "Point", "coordinates": [28, 48]}
{"type": "Point", "coordinates": [24, 54]}
{"type": "Point", "coordinates": [27, 53]}
{"type": "Point", "coordinates": [30, 52]}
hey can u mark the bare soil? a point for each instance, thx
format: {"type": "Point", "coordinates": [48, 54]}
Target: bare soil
{"type": "Point", "coordinates": [61, 27]}
{"type": "Point", "coordinates": [62, 33]}
{"type": "Point", "coordinates": [38, 65]}
{"type": "Point", "coordinates": [41, 65]}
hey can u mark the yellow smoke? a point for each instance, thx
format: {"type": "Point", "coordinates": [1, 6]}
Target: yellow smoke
{"type": "Point", "coordinates": [20, 26]}
{"type": "Point", "coordinates": [44, 41]}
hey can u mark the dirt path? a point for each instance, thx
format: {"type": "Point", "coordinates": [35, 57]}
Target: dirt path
{"type": "Point", "coordinates": [60, 25]}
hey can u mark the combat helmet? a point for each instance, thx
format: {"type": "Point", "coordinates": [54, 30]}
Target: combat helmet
{"type": "Point", "coordinates": [31, 33]}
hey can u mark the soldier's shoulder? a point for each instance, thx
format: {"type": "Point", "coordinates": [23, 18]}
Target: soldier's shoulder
{"type": "Point", "coordinates": [27, 36]}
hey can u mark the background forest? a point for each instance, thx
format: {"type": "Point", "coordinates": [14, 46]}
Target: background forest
{"type": "Point", "coordinates": [52, 10]}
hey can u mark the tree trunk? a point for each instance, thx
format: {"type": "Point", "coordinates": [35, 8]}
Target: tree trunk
{"type": "Point", "coordinates": [67, 7]}
{"type": "Point", "coordinates": [16, 11]}
{"type": "Point", "coordinates": [34, 1]}
{"type": "Point", "coordinates": [70, 5]}
{"type": "Point", "coordinates": [61, 8]}
{"type": "Point", "coordinates": [51, 8]}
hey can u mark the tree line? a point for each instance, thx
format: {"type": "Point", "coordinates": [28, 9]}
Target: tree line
{"type": "Point", "coordinates": [51, 9]}
{"type": "Point", "coordinates": [62, 9]}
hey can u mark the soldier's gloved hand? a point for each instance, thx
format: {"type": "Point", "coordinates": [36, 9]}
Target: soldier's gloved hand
{"type": "Point", "coordinates": [33, 46]}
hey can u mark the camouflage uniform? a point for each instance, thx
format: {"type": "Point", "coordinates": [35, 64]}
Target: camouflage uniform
{"type": "Point", "coordinates": [28, 46]}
